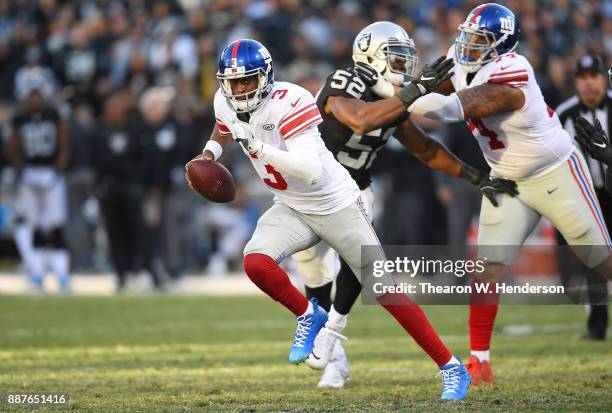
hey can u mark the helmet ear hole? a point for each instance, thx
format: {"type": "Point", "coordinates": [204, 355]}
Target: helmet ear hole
{"type": "Point", "coordinates": [370, 60]}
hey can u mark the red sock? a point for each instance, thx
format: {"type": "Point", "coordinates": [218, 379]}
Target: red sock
{"type": "Point", "coordinates": [414, 321]}
{"type": "Point", "coordinates": [483, 309]}
{"type": "Point", "coordinates": [272, 280]}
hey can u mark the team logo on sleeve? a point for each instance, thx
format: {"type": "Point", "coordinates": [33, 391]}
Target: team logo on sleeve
{"type": "Point", "coordinates": [364, 42]}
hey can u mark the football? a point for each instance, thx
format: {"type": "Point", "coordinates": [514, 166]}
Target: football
{"type": "Point", "coordinates": [211, 180]}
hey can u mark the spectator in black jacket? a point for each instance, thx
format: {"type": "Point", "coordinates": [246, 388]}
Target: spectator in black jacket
{"type": "Point", "coordinates": [163, 136]}
{"type": "Point", "coordinates": [119, 159]}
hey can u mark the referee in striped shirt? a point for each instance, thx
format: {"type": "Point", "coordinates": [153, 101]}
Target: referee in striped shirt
{"type": "Point", "coordinates": [593, 103]}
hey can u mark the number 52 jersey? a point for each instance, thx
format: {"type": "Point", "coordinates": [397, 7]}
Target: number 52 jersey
{"type": "Point", "coordinates": [523, 143]}
{"type": "Point", "coordinates": [354, 151]}
{"type": "Point", "coordinates": [287, 112]}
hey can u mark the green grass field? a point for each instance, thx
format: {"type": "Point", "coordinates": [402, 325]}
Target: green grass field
{"type": "Point", "coordinates": [169, 353]}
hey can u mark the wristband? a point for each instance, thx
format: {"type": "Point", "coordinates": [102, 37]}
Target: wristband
{"type": "Point", "coordinates": [471, 174]}
{"type": "Point", "coordinates": [409, 94]}
{"type": "Point", "coordinates": [439, 107]}
{"type": "Point", "coordinates": [215, 147]}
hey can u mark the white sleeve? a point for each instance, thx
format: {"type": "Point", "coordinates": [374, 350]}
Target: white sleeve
{"type": "Point", "coordinates": [439, 107]}
{"type": "Point", "coordinates": [219, 105]}
{"type": "Point", "coordinates": [301, 159]}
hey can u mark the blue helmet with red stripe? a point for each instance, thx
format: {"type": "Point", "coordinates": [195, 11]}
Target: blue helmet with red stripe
{"type": "Point", "coordinates": [241, 59]}
{"type": "Point", "coordinates": [489, 31]}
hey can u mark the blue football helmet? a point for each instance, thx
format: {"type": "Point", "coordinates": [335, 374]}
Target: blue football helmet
{"type": "Point", "coordinates": [489, 31]}
{"type": "Point", "coordinates": [245, 58]}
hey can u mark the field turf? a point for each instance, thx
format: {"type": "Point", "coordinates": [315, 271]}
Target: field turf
{"type": "Point", "coordinates": [172, 354]}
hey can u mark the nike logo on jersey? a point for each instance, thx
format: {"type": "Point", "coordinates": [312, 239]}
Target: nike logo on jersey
{"type": "Point", "coordinates": [504, 68]}
{"type": "Point", "coordinates": [600, 145]}
{"type": "Point", "coordinates": [295, 103]}
{"type": "Point", "coordinates": [550, 191]}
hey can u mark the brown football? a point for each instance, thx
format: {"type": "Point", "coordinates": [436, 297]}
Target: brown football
{"type": "Point", "coordinates": [211, 180]}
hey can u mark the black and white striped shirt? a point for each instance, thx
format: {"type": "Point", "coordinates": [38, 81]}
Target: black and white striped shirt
{"type": "Point", "coordinates": [569, 110]}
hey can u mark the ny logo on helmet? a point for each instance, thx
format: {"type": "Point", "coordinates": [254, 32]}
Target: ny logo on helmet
{"type": "Point", "coordinates": [507, 25]}
{"type": "Point", "coordinates": [266, 55]}
{"type": "Point", "coordinates": [364, 42]}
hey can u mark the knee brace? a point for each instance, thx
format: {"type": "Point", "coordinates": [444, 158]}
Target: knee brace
{"type": "Point", "coordinates": [20, 219]}
{"type": "Point", "coordinates": [40, 238]}
{"type": "Point", "coordinates": [56, 239]}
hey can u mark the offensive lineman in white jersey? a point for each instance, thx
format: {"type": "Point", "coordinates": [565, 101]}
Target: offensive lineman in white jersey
{"type": "Point", "coordinates": [523, 140]}
{"type": "Point", "coordinates": [315, 197]}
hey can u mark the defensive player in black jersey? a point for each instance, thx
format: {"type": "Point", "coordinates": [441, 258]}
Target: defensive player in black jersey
{"type": "Point", "coordinates": [38, 150]}
{"type": "Point", "coordinates": [360, 112]}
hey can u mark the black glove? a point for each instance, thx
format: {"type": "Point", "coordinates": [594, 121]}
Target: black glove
{"type": "Point", "coordinates": [366, 73]}
{"type": "Point", "coordinates": [430, 78]}
{"type": "Point", "coordinates": [594, 140]}
{"type": "Point", "coordinates": [489, 187]}
{"type": "Point", "coordinates": [433, 75]}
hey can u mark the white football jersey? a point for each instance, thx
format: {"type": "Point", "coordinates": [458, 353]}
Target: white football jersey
{"type": "Point", "coordinates": [523, 143]}
{"type": "Point", "coordinates": [290, 110]}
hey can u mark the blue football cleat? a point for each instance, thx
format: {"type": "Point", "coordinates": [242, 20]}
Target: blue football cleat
{"type": "Point", "coordinates": [455, 381]}
{"type": "Point", "coordinates": [308, 327]}
{"type": "Point", "coordinates": [64, 282]}
{"type": "Point", "coordinates": [37, 282]}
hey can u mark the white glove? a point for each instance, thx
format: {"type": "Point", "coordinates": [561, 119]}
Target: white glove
{"type": "Point", "coordinates": [242, 134]}
{"type": "Point", "coordinates": [383, 88]}
{"type": "Point", "coordinates": [379, 85]}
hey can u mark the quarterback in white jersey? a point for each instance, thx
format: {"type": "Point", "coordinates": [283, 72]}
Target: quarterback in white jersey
{"type": "Point", "coordinates": [496, 93]}
{"type": "Point", "coordinates": [288, 123]}
{"type": "Point", "coordinates": [315, 199]}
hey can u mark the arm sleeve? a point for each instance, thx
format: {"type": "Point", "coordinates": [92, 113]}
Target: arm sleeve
{"type": "Point", "coordinates": [300, 160]}
{"type": "Point", "coordinates": [439, 107]}
{"type": "Point", "coordinates": [218, 106]}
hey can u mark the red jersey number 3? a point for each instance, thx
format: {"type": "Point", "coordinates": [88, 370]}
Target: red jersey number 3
{"type": "Point", "coordinates": [278, 182]}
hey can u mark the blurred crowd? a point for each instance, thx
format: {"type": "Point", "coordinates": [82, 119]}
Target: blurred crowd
{"type": "Point", "coordinates": [135, 80]}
